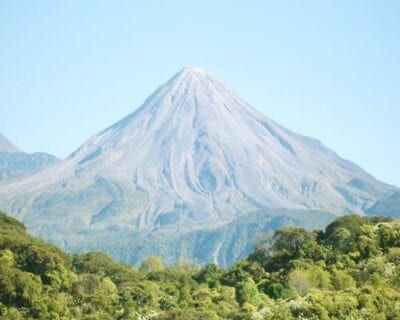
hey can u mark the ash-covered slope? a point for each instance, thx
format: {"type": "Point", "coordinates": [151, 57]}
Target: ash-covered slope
{"type": "Point", "coordinates": [194, 154]}
{"type": "Point", "coordinates": [17, 164]}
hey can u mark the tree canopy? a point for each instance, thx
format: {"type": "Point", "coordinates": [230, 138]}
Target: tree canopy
{"type": "Point", "coordinates": [349, 271]}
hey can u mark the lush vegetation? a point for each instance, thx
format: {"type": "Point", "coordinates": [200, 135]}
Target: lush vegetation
{"type": "Point", "coordinates": [349, 271]}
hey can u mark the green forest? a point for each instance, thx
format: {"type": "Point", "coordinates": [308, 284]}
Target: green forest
{"type": "Point", "coordinates": [351, 270]}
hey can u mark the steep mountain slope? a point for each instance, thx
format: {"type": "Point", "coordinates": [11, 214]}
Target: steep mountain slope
{"type": "Point", "coordinates": [193, 156]}
{"type": "Point", "coordinates": [16, 164]}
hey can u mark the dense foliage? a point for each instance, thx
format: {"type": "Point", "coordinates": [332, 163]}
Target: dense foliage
{"type": "Point", "coordinates": [350, 271]}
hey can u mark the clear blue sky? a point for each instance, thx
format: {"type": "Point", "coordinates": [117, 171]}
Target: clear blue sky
{"type": "Point", "coordinates": [327, 69]}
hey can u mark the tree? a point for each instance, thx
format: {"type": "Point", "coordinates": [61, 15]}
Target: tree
{"type": "Point", "coordinates": [152, 264]}
{"type": "Point", "coordinates": [290, 241]}
{"type": "Point", "coordinates": [247, 292]}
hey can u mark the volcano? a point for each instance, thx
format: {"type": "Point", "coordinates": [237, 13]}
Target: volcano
{"type": "Point", "coordinates": [192, 158]}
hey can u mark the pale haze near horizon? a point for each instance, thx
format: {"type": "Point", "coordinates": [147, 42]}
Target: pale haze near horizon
{"type": "Point", "coordinates": [329, 70]}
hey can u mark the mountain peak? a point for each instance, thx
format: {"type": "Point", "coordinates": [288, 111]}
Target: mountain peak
{"type": "Point", "coordinates": [193, 84]}
{"type": "Point", "coordinates": [192, 70]}
{"type": "Point", "coordinates": [192, 74]}
{"type": "Point", "coordinates": [6, 145]}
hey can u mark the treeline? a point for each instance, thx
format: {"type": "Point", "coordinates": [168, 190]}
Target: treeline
{"type": "Point", "coordinates": [349, 271]}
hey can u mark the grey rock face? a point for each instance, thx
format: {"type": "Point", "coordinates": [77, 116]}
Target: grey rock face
{"type": "Point", "coordinates": [194, 154]}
